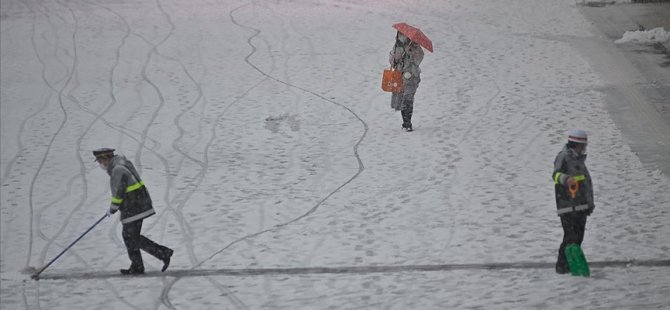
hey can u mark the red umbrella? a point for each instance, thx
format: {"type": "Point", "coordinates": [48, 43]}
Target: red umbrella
{"type": "Point", "coordinates": [415, 34]}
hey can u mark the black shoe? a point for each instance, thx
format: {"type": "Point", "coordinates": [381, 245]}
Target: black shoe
{"type": "Point", "coordinates": [132, 271]}
{"type": "Point", "coordinates": [562, 269]}
{"type": "Point", "coordinates": [166, 260]}
{"type": "Point", "coordinates": [409, 127]}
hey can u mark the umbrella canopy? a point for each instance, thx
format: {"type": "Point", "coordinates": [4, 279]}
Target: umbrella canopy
{"type": "Point", "coordinates": [415, 34]}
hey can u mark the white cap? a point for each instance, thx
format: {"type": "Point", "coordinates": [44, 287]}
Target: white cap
{"type": "Point", "coordinates": [577, 135]}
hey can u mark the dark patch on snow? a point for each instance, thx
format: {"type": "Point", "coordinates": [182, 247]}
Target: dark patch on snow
{"type": "Point", "coordinates": [351, 269]}
{"type": "Point", "coordinates": [273, 123]}
{"type": "Point", "coordinates": [649, 1]}
{"type": "Point", "coordinates": [596, 4]}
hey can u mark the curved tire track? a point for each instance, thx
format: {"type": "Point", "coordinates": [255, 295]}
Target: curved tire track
{"type": "Point", "coordinates": [361, 167]}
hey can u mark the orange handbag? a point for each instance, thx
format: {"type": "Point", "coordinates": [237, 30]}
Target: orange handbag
{"type": "Point", "coordinates": [392, 81]}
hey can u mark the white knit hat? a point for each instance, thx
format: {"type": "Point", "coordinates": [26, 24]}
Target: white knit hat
{"type": "Point", "coordinates": [577, 135]}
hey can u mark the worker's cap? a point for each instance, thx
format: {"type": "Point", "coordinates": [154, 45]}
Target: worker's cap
{"type": "Point", "coordinates": [578, 136]}
{"type": "Point", "coordinates": [103, 153]}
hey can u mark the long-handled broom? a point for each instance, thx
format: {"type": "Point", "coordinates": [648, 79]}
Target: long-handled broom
{"type": "Point", "coordinates": [36, 275]}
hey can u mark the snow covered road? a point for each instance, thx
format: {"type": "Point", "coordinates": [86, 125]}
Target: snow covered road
{"type": "Point", "coordinates": [638, 82]}
{"type": "Point", "coordinates": [265, 141]}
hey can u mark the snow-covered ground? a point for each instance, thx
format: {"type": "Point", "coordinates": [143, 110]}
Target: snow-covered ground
{"type": "Point", "coordinates": [266, 142]}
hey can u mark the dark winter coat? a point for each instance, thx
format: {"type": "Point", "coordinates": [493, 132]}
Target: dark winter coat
{"type": "Point", "coordinates": [568, 164]}
{"type": "Point", "coordinates": [129, 195]}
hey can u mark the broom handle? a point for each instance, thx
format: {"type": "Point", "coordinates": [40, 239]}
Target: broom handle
{"type": "Point", "coordinates": [68, 247]}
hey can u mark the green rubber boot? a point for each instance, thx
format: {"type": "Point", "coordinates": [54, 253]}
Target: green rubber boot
{"type": "Point", "coordinates": [576, 260]}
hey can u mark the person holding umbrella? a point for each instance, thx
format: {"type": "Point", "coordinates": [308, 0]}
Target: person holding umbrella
{"type": "Point", "coordinates": [406, 56]}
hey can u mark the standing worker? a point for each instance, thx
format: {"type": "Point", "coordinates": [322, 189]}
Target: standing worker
{"type": "Point", "coordinates": [406, 57]}
{"type": "Point", "coordinates": [574, 197]}
{"type": "Point", "coordinates": [131, 197]}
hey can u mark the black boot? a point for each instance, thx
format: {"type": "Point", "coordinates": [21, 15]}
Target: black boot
{"type": "Point", "coordinates": [562, 265]}
{"type": "Point", "coordinates": [132, 271]}
{"type": "Point", "coordinates": [562, 269]}
{"type": "Point", "coordinates": [409, 120]}
{"type": "Point", "coordinates": [166, 260]}
{"type": "Point", "coordinates": [406, 119]}
{"type": "Point", "coordinates": [405, 122]}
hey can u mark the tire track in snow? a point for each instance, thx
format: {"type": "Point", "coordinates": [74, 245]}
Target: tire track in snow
{"type": "Point", "coordinates": [82, 166]}
{"type": "Point", "coordinates": [173, 172]}
{"type": "Point", "coordinates": [37, 218]}
{"type": "Point", "coordinates": [20, 148]}
{"type": "Point", "coordinates": [22, 128]}
{"type": "Point", "coordinates": [286, 196]}
{"type": "Point", "coordinates": [55, 135]}
{"type": "Point", "coordinates": [186, 230]}
{"type": "Point", "coordinates": [99, 116]}
{"type": "Point", "coordinates": [313, 56]}
{"type": "Point", "coordinates": [270, 201]}
{"type": "Point", "coordinates": [68, 190]}
{"type": "Point", "coordinates": [168, 285]}
{"type": "Point", "coordinates": [361, 167]}
{"type": "Point", "coordinates": [319, 203]}
{"type": "Point", "coordinates": [183, 197]}
{"type": "Point", "coordinates": [165, 298]}
{"type": "Point", "coordinates": [7, 13]}
{"type": "Point", "coordinates": [78, 143]}
{"type": "Point", "coordinates": [275, 196]}
{"type": "Point", "coordinates": [144, 135]}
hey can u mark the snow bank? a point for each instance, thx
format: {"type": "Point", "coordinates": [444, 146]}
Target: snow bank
{"type": "Point", "coordinates": [656, 35]}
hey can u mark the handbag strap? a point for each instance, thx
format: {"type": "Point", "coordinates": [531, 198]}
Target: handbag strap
{"type": "Point", "coordinates": [402, 57]}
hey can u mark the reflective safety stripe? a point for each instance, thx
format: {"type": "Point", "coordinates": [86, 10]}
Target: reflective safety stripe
{"type": "Point", "coordinates": [577, 178]}
{"type": "Point", "coordinates": [135, 186]}
{"type": "Point", "coordinates": [116, 200]}
{"type": "Point", "coordinates": [571, 209]}
{"type": "Point", "coordinates": [557, 175]}
{"type": "Point", "coordinates": [139, 216]}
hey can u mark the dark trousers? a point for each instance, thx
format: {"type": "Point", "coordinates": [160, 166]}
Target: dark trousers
{"type": "Point", "coordinates": [135, 242]}
{"type": "Point", "coordinates": [406, 109]}
{"type": "Point", "coordinates": [404, 102]}
{"type": "Point", "coordinates": [574, 225]}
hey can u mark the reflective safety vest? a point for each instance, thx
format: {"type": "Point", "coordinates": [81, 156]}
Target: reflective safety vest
{"type": "Point", "coordinates": [129, 195]}
{"type": "Point", "coordinates": [570, 164]}
{"type": "Point", "coordinates": [117, 200]}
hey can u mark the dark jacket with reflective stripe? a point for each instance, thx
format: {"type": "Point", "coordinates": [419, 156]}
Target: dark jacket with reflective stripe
{"type": "Point", "coordinates": [129, 195]}
{"type": "Point", "coordinates": [570, 164]}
